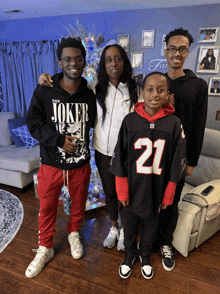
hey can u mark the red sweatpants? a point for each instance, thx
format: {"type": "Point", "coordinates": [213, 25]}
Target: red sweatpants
{"type": "Point", "coordinates": [50, 182]}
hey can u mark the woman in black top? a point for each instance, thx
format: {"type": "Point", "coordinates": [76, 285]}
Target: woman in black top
{"type": "Point", "coordinates": [208, 61]}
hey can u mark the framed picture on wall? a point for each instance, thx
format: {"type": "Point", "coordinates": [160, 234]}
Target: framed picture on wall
{"type": "Point", "coordinates": [208, 35]}
{"type": "Point", "coordinates": [214, 86]}
{"type": "Point", "coordinates": [147, 40]}
{"type": "Point", "coordinates": [123, 41]}
{"type": "Point", "coordinates": [217, 115]}
{"type": "Point", "coordinates": [137, 60]}
{"type": "Point", "coordinates": [163, 45]}
{"type": "Point", "coordinates": [208, 61]}
{"type": "Point", "coordinates": [138, 77]}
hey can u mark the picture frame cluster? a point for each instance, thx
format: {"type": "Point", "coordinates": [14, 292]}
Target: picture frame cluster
{"type": "Point", "coordinates": [147, 41]}
{"type": "Point", "coordinates": [209, 57]}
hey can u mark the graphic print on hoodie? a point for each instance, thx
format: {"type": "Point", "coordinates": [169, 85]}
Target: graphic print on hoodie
{"type": "Point", "coordinates": [53, 114]}
{"type": "Point", "coordinates": [70, 119]}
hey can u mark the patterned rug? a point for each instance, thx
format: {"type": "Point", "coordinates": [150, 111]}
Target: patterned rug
{"type": "Point", "coordinates": [11, 217]}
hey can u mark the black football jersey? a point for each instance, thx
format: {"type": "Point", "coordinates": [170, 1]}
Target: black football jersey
{"type": "Point", "coordinates": [149, 155]}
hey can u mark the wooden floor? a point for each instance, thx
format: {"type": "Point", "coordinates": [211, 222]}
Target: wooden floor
{"type": "Point", "coordinates": [97, 271]}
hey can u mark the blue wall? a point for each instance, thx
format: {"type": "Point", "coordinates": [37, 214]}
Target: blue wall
{"type": "Point", "coordinates": [130, 22]}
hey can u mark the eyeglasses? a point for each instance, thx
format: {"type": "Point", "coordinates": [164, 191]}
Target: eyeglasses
{"type": "Point", "coordinates": [116, 59]}
{"type": "Point", "coordinates": [77, 60]}
{"type": "Point", "coordinates": [173, 50]}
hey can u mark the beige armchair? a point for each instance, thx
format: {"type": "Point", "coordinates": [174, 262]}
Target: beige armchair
{"type": "Point", "coordinates": [199, 213]}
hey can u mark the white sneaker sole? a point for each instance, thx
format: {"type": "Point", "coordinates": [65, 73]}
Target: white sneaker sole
{"type": "Point", "coordinates": [111, 246]}
{"type": "Point", "coordinates": [168, 269]}
{"type": "Point", "coordinates": [76, 256]}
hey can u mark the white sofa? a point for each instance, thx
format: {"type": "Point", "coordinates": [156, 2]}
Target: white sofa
{"type": "Point", "coordinates": [199, 215]}
{"type": "Point", "coordinates": [17, 165]}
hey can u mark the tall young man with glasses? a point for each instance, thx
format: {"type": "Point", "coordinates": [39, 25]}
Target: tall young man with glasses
{"type": "Point", "coordinates": [60, 118]}
{"type": "Point", "coordinates": [191, 98]}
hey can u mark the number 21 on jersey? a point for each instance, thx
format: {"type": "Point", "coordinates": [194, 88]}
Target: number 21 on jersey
{"type": "Point", "coordinates": [155, 168]}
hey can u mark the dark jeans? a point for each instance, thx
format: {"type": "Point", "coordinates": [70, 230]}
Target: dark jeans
{"type": "Point", "coordinates": [168, 218]}
{"type": "Point", "coordinates": [131, 224]}
{"type": "Point", "coordinates": [108, 183]}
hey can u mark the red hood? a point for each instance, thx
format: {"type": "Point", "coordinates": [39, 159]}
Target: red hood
{"type": "Point", "coordinates": [166, 110]}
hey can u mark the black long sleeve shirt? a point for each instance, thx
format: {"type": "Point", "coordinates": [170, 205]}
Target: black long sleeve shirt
{"type": "Point", "coordinates": [191, 99]}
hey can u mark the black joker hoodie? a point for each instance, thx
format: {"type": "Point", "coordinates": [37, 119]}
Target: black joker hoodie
{"type": "Point", "coordinates": [191, 98]}
{"type": "Point", "coordinates": [53, 114]}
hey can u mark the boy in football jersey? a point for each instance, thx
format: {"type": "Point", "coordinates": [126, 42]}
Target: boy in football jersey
{"type": "Point", "coordinates": [148, 161]}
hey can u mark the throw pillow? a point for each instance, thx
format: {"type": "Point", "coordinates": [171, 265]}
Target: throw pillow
{"type": "Point", "coordinates": [13, 124]}
{"type": "Point", "coordinates": [5, 138]}
{"type": "Point", "coordinates": [23, 133]}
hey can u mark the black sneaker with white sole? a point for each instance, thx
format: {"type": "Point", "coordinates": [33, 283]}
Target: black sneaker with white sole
{"type": "Point", "coordinates": [146, 269]}
{"type": "Point", "coordinates": [168, 260]}
{"type": "Point", "coordinates": [125, 268]}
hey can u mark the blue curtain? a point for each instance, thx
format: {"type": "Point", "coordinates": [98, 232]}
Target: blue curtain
{"type": "Point", "coordinates": [1, 96]}
{"type": "Point", "coordinates": [21, 63]}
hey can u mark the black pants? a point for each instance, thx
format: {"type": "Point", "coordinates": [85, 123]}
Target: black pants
{"type": "Point", "coordinates": [131, 224]}
{"type": "Point", "coordinates": [168, 218]}
{"type": "Point", "coordinates": [108, 183]}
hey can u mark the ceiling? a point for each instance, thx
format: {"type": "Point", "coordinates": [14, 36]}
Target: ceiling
{"type": "Point", "coordinates": [42, 8]}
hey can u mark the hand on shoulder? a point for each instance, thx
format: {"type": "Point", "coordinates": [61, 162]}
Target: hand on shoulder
{"type": "Point", "coordinates": [46, 80]}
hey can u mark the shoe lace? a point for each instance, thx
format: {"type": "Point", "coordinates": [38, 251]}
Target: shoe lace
{"type": "Point", "coordinates": [167, 252]}
{"type": "Point", "coordinates": [40, 257]}
{"type": "Point", "coordinates": [75, 241]}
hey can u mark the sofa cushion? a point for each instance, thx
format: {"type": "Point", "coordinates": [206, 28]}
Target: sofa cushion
{"type": "Point", "coordinates": [211, 143]}
{"type": "Point", "coordinates": [5, 138]}
{"type": "Point", "coordinates": [15, 123]}
{"type": "Point", "coordinates": [208, 168]}
{"type": "Point", "coordinates": [23, 133]}
{"type": "Point", "coordinates": [19, 159]}
{"type": "Point", "coordinates": [16, 178]}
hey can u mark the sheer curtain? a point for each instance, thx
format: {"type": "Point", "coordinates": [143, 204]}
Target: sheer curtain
{"type": "Point", "coordinates": [21, 63]}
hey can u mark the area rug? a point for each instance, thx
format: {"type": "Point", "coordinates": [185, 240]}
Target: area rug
{"type": "Point", "coordinates": [11, 217]}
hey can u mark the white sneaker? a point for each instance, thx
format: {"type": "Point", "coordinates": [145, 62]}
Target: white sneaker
{"type": "Point", "coordinates": [125, 268]}
{"type": "Point", "coordinates": [111, 238]}
{"type": "Point", "coordinates": [121, 245]}
{"type": "Point", "coordinates": [146, 269]}
{"type": "Point", "coordinates": [75, 245]}
{"type": "Point", "coordinates": [43, 255]}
